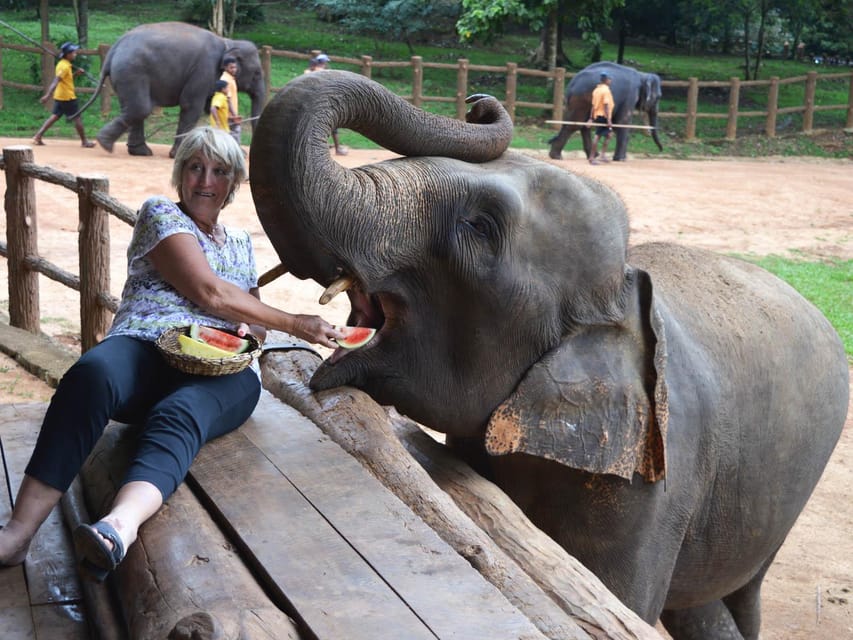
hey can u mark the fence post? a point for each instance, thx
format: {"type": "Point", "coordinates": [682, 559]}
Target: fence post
{"type": "Point", "coordinates": [107, 89]}
{"type": "Point", "coordinates": [692, 108]}
{"type": "Point", "coordinates": [266, 66]}
{"type": "Point", "coordinates": [21, 240]}
{"type": "Point", "coordinates": [417, 80]}
{"type": "Point", "coordinates": [808, 114]}
{"type": "Point", "coordinates": [48, 70]}
{"type": "Point", "coordinates": [367, 66]}
{"type": "Point", "coordinates": [734, 98]}
{"type": "Point", "coordinates": [559, 90]}
{"type": "Point", "coordinates": [849, 124]}
{"type": "Point", "coordinates": [461, 88]}
{"type": "Point", "coordinates": [511, 84]}
{"type": "Point", "coordinates": [93, 242]}
{"type": "Point", "coordinates": [772, 107]}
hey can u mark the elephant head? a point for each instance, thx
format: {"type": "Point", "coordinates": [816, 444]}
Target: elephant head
{"type": "Point", "coordinates": [471, 263]}
{"type": "Point", "coordinates": [648, 101]}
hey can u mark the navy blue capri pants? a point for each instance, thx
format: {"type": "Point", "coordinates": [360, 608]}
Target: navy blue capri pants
{"type": "Point", "coordinates": [128, 380]}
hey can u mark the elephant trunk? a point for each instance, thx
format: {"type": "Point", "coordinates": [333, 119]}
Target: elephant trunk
{"type": "Point", "coordinates": [653, 122]}
{"type": "Point", "coordinates": [310, 206]}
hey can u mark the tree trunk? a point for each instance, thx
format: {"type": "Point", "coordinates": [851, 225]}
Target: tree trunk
{"type": "Point", "coordinates": [81, 19]}
{"type": "Point", "coordinates": [762, 35]}
{"type": "Point", "coordinates": [217, 17]}
{"type": "Point", "coordinates": [567, 602]}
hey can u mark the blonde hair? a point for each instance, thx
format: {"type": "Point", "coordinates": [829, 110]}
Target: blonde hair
{"type": "Point", "coordinates": [213, 144]}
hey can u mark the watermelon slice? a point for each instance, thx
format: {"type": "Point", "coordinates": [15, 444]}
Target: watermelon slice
{"type": "Point", "coordinates": [218, 338]}
{"type": "Point", "coordinates": [200, 349]}
{"type": "Point", "coordinates": [355, 337]}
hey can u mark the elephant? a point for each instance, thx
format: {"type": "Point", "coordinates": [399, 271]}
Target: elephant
{"type": "Point", "coordinates": [662, 412]}
{"type": "Point", "coordinates": [168, 64]}
{"type": "Point", "coordinates": [631, 90]}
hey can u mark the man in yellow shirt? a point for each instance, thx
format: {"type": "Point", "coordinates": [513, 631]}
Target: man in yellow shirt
{"type": "Point", "coordinates": [601, 114]}
{"type": "Point", "coordinates": [229, 75]}
{"type": "Point", "coordinates": [64, 96]}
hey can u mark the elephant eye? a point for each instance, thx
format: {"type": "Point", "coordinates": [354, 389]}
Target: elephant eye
{"type": "Point", "coordinates": [480, 224]}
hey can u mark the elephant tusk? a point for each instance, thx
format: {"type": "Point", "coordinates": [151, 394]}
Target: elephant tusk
{"type": "Point", "coordinates": [339, 285]}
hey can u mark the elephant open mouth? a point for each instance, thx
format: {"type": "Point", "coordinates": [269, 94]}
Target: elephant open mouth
{"type": "Point", "coordinates": [366, 310]}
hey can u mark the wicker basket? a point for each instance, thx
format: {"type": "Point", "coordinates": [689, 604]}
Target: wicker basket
{"type": "Point", "coordinates": [168, 345]}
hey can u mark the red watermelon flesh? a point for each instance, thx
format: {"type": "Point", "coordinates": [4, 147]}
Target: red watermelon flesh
{"type": "Point", "coordinates": [355, 337]}
{"type": "Point", "coordinates": [218, 338]}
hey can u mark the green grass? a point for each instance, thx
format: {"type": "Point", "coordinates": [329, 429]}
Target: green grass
{"type": "Point", "coordinates": [827, 285]}
{"type": "Point", "coordinates": [289, 28]}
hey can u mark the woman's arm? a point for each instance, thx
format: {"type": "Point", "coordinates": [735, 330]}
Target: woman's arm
{"type": "Point", "coordinates": [181, 263]}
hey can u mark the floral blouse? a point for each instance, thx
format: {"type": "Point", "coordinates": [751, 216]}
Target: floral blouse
{"type": "Point", "coordinates": [150, 305]}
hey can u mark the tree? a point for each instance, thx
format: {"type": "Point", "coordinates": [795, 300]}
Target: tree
{"type": "Point", "coordinates": [484, 19]}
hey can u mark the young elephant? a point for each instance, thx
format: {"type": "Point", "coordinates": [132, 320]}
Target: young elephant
{"type": "Point", "coordinates": [663, 413]}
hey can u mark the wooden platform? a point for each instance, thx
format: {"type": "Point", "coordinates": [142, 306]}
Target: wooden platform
{"type": "Point", "coordinates": [327, 543]}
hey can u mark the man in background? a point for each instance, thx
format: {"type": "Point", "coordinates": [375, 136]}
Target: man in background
{"type": "Point", "coordinates": [601, 114]}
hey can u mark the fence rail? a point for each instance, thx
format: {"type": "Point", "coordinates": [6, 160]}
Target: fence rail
{"type": "Point", "coordinates": [555, 79]}
{"type": "Point", "coordinates": [97, 305]}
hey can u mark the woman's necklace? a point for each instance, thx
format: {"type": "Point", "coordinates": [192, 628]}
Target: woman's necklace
{"type": "Point", "coordinates": [216, 233]}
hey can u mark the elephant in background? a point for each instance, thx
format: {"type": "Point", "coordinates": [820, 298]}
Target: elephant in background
{"type": "Point", "coordinates": [171, 64]}
{"type": "Point", "coordinates": [663, 413]}
{"type": "Point", "coordinates": [631, 90]}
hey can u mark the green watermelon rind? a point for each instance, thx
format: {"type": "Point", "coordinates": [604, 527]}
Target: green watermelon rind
{"type": "Point", "coordinates": [197, 333]}
{"type": "Point", "coordinates": [347, 344]}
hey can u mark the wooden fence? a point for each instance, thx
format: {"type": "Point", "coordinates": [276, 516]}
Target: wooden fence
{"type": "Point", "coordinates": [97, 305]}
{"type": "Point", "coordinates": [555, 78]}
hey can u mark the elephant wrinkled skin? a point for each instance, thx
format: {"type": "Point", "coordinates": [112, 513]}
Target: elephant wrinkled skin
{"type": "Point", "coordinates": [664, 413]}
{"type": "Point", "coordinates": [171, 64]}
{"type": "Point", "coordinates": [631, 90]}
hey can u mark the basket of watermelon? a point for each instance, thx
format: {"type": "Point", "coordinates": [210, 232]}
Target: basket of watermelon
{"type": "Point", "coordinates": [206, 351]}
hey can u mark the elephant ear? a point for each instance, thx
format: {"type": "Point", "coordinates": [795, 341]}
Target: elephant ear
{"type": "Point", "coordinates": [597, 402]}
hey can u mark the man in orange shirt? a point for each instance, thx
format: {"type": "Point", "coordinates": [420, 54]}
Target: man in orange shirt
{"type": "Point", "coordinates": [601, 114]}
{"type": "Point", "coordinates": [64, 96]}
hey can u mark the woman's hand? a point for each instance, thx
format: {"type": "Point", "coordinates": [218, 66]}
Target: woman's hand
{"type": "Point", "coordinates": [315, 329]}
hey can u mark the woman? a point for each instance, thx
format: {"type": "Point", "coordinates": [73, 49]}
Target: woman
{"type": "Point", "coordinates": [183, 267]}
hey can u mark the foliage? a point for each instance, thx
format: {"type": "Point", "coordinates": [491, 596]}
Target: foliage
{"type": "Point", "coordinates": [828, 285]}
{"type": "Point", "coordinates": [408, 20]}
{"type": "Point", "coordinates": [301, 30]}
{"type": "Point", "coordinates": [200, 12]}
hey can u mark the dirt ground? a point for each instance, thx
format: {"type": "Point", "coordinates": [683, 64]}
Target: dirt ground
{"type": "Point", "coordinates": [772, 206]}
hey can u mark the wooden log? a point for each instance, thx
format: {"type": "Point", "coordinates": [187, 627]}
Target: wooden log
{"type": "Point", "coordinates": [364, 429]}
{"type": "Point", "coordinates": [104, 620]}
{"type": "Point", "coordinates": [181, 579]}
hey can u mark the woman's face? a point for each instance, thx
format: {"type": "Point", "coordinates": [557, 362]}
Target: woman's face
{"type": "Point", "coordinates": [205, 184]}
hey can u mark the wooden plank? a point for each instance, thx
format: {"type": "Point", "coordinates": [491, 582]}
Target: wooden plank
{"type": "Point", "coordinates": [50, 566]}
{"type": "Point", "coordinates": [307, 566]}
{"type": "Point", "coordinates": [16, 622]}
{"type": "Point", "coordinates": [440, 586]}
{"type": "Point", "coordinates": [66, 621]}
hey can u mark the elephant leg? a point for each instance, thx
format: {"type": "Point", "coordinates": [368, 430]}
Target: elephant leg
{"type": "Point", "coordinates": [186, 122]}
{"type": "Point", "coordinates": [586, 136]}
{"type": "Point", "coordinates": [621, 150]}
{"type": "Point", "coordinates": [110, 132]}
{"type": "Point", "coordinates": [136, 140]}
{"type": "Point", "coordinates": [745, 604]}
{"type": "Point", "coordinates": [711, 621]}
{"type": "Point", "coordinates": [559, 141]}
